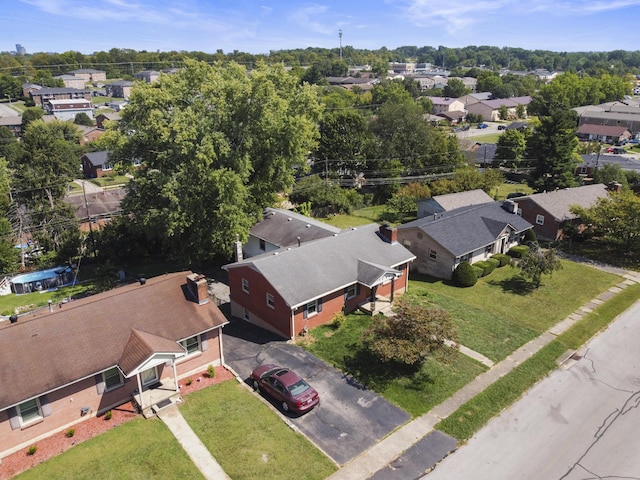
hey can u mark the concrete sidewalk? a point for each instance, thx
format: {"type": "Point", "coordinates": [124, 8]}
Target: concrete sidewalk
{"type": "Point", "coordinates": [393, 446]}
{"type": "Point", "coordinates": [196, 450]}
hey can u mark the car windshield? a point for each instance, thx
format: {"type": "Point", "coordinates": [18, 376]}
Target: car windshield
{"type": "Point", "coordinates": [299, 387]}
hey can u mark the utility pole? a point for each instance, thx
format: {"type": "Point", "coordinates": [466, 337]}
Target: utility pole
{"type": "Point", "coordinates": [340, 36]}
{"type": "Point", "coordinates": [86, 205]}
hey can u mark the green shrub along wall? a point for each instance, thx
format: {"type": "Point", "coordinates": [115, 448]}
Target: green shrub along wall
{"type": "Point", "coordinates": [518, 251]}
{"type": "Point", "coordinates": [502, 258]}
{"type": "Point", "coordinates": [465, 275]}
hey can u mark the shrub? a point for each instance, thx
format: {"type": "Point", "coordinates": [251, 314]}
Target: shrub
{"type": "Point", "coordinates": [337, 320]}
{"type": "Point", "coordinates": [70, 433]}
{"type": "Point", "coordinates": [493, 261]}
{"type": "Point", "coordinates": [211, 371]}
{"type": "Point", "coordinates": [479, 271]}
{"type": "Point", "coordinates": [486, 266]}
{"type": "Point", "coordinates": [32, 450]}
{"type": "Point", "coordinates": [502, 258]}
{"type": "Point", "coordinates": [530, 236]}
{"type": "Point", "coordinates": [464, 275]}
{"type": "Point", "coordinates": [107, 416]}
{"type": "Point", "coordinates": [189, 381]}
{"type": "Point", "coordinates": [518, 251]}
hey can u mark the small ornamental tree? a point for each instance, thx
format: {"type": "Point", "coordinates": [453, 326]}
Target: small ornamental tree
{"type": "Point", "coordinates": [409, 337]}
{"type": "Point", "coordinates": [538, 261]}
{"type": "Point", "coordinates": [464, 275]}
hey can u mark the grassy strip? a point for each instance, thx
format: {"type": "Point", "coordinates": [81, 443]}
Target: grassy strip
{"type": "Point", "coordinates": [475, 413]}
{"type": "Point", "coordinates": [136, 449]}
{"type": "Point", "coordinates": [247, 439]}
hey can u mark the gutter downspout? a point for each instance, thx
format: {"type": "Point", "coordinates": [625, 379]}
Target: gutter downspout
{"type": "Point", "coordinates": [293, 325]}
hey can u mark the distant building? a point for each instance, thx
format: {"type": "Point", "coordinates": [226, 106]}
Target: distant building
{"type": "Point", "coordinates": [67, 109]}
{"type": "Point", "coordinates": [20, 50]}
{"type": "Point", "coordinates": [90, 74]}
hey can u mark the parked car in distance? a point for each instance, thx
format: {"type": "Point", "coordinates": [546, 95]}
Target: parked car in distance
{"type": "Point", "coordinates": [502, 127]}
{"type": "Point", "coordinates": [286, 387]}
{"type": "Point", "coordinates": [619, 150]}
{"type": "Point", "coordinates": [482, 125]}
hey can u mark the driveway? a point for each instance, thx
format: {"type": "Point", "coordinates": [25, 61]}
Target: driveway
{"type": "Point", "coordinates": [349, 419]}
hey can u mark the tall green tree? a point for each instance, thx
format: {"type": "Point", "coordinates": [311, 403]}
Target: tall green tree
{"type": "Point", "coordinates": [510, 147]}
{"type": "Point", "coordinates": [615, 218]}
{"type": "Point", "coordinates": [455, 88]}
{"type": "Point", "coordinates": [553, 148]}
{"type": "Point", "coordinates": [217, 144]}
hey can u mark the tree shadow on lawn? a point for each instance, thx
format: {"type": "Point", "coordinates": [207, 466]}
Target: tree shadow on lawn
{"type": "Point", "coordinates": [365, 370]}
{"type": "Point", "coordinates": [515, 284]}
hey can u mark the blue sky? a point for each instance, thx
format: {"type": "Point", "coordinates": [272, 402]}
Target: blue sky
{"type": "Point", "coordinates": [257, 26]}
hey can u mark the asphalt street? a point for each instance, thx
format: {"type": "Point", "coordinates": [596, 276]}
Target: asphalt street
{"type": "Point", "coordinates": [349, 419]}
{"type": "Point", "coordinates": [581, 422]}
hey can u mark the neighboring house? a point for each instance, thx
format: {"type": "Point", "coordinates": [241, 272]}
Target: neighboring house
{"type": "Point", "coordinates": [611, 118]}
{"type": "Point", "coordinates": [71, 81]}
{"type": "Point", "coordinates": [76, 360]}
{"type": "Point", "coordinates": [451, 201]}
{"type": "Point", "coordinates": [446, 104]}
{"type": "Point", "coordinates": [291, 290]}
{"type": "Point", "coordinates": [148, 76]}
{"type": "Point", "coordinates": [98, 164]}
{"type": "Point", "coordinates": [14, 124]}
{"type": "Point", "coordinates": [481, 154]}
{"type": "Point", "coordinates": [68, 109]}
{"type": "Point", "coordinates": [454, 117]}
{"type": "Point", "coordinates": [94, 210]}
{"type": "Point", "coordinates": [103, 118]}
{"type": "Point", "coordinates": [549, 211]}
{"type": "Point", "coordinates": [27, 88]}
{"type": "Point", "coordinates": [472, 233]}
{"type": "Point", "coordinates": [588, 132]}
{"type": "Point", "coordinates": [120, 89]}
{"type": "Point", "coordinates": [490, 109]}
{"type": "Point", "coordinates": [89, 74]}
{"type": "Point", "coordinates": [89, 134]}
{"type": "Point", "coordinates": [590, 162]}
{"type": "Point", "coordinates": [42, 95]}
{"type": "Point", "coordinates": [284, 228]}
{"type": "Point", "coordinates": [472, 98]}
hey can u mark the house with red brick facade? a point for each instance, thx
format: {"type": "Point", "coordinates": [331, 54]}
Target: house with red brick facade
{"type": "Point", "coordinates": [291, 290]}
{"type": "Point", "coordinates": [74, 360]}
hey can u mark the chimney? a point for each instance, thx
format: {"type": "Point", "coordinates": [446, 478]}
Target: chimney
{"type": "Point", "coordinates": [388, 233]}
{"type": "Point", "coordinates": [197, 286]}
{"type": "Point", "coordinates": [238, 246]}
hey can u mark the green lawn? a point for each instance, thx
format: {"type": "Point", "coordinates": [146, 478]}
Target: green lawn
{"type": "Point", "coordinates": [362, 216]}
{"type": "Point", "coordinates": [501, 192]}
{"type": "Point", "coordinates": [139, 449]}
{"type": "Point", "coordinates": [111, 180]}
{"type": "Point", "coordinates": [248, 440]}
{"type": "Point", "coordinates": [495, 317]}
{"type": "Point", "coordinates": [414, 391]}
{"type": "Point", "coordinates": [31, 301]}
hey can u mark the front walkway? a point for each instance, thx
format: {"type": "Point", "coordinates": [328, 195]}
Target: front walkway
{"type": "Point", "coordinates": [196, 450]}
{"type": "Point", "coordinates": [393, 446]}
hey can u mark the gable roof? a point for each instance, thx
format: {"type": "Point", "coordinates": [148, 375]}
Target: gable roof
{"type": "Point", "coordinates": [559, 202]}
{"type": "Point", "coordinates": [141, 346]}
{"type": "Point", "coordinates": [97, 159]}
{"type": "Point", "coordinates": [451, 201]}
{"type": "Point", "coordinates": [335, 262]}
{"type": "Point", "coordinates": [46, 350]}
{"type": "Point", "coordinates": [283, 228]}
{"type": "Point", "coordinates": [469, 228]}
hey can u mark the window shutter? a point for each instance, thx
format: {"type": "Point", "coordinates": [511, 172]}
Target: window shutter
{"type": "Point", "coordinates": [357, 289]}
{"type": "Point", "coordinates": [45, 406]}
{"type": "Point", "coordinates": [304, 313]}
{"type": "Point", "coordinates": [14, 418]}
{"type": "Point", "coordinates": [346, 290]}
{"type": "Point", "coordinates": [319, 305]}
{"type": "Point", "coordinates": [204, 343]}
{"type": "Point", "coordinates": [99, 384]}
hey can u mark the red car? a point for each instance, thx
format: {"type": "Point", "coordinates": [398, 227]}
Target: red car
{"type": "Point", "coordinates": [287, 387]}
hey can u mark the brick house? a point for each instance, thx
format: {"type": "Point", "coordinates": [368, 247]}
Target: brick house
{"type": "Point", "coordinates": [98, 164]}
{"type": "Point", "coordinates": [490, 109]}
{"type": "Point", "coordinates": [549, 211]}
{"type": "Point", "coordinates": [75, 360]}
{"type": "Point", "coordinates": [290, 290]}
{"type": "Point", "coordinates": [68, 109]}
{"type": "Point", "coordinates": [42, 95]}
{"type": "Point", "coordinates": [472, 233]}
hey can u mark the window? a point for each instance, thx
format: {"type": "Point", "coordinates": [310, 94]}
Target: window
{"type": "Point", "coordinates": [245, 285]}
{"type": "Point", "coordinates": [30, 411]}
{"type": "Point", "coordinates": [433, 255]}
{"type": "Point", "coordinates": [407, 244]}
{"type": "Point", "coordinates": [271, 302]}
{"type": "Point", "coordinates": [112, 379]}
{"type": "Point", "coordinates": [107, 166]}
{"type": "Point", "coordinates": [488, 250]}
{"type": "Point", "coordinates": [351, 291]}
{"type": "Point", "coordinates": [465, 258]}
{"type": "Point", "coordinates": [149, 376]}
{"type": "Point", "coordinates": [312, 308]}
{"type": "Point", "coordinates": [540, 219]}
{"type": "Point", "coordinates": [136, 162]}
{"type": "Point", "coordinates": [263, 246]}
{"type": "Point", "coordinates": [192, 345]}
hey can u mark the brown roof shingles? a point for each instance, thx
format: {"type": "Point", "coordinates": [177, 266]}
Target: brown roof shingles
{"type": "Point", "coordinates": [141, 346]}
{"type": "Point", "coordinates": [46, 350]}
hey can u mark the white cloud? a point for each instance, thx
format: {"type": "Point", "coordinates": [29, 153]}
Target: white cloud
{"type": "Point", "coordinates": [307, 18]}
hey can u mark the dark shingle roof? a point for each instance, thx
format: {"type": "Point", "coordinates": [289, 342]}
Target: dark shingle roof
{"type": "Point", "coordinates": [97, 159]}
{"type": "Point", "coordinates": [284, 227]}
{"type": "Point", "coordinates": [467, 229]}
{"type": "Point", "coordinates": [304, 273]}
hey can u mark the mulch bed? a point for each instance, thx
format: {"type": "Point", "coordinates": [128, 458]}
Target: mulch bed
{"type": "Point", "coordinates": [60, 442]}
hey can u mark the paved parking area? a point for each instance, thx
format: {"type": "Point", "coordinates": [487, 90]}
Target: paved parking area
{"type": "Point", "coordinates": [349, 419]}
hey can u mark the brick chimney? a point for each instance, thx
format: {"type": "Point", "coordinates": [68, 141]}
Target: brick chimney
{"type": "Point", "coordinates": [197, 286]}
{"type": "Point", "coordinates": [388, 233]}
